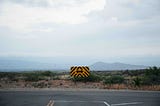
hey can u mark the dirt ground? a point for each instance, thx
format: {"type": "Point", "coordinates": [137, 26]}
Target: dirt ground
{"type": "Point", "coordinates": [70, 84]}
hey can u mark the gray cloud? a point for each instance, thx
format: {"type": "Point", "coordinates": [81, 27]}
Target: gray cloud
{"type": "Point", "coordinates": [123, 28]}
{"type": "Point", "coordinates": [126, 10]}
{"type": "Point", "coordinates": [32, 3]}
{"type": "Point", "coordinates": [46, 3]}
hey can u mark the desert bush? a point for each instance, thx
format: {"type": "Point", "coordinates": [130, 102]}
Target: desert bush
{"type": "Point", "coordinates": [91, 78]}
{"type": "Point", "coordinates": [39, 75]}
{"type": "Point", "coordinates": [152, 71]}
{"type": "Point", "coordinates": [114, 80]}
{"type": "Point", "coordinates": [137, 81]}
{"type": "Point", "coordinates": [152, 76]}
{"type": "Point", "coordinates": [31, 77]}
{"type": "Point", "coordinates": [39, 84]}
{"type": "Point", "coordinates": [48, 73]}
{"type": "Point", "coordinates": [11, 76]}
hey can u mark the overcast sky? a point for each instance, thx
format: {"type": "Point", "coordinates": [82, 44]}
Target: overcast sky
{"type": "Point", "coordinates": [99, 30]}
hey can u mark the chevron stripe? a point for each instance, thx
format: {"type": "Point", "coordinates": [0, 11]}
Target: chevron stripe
{"type": "Point", "coordinates": [72, 69]}
{"type": "Point", "coordinates": [78, 71]}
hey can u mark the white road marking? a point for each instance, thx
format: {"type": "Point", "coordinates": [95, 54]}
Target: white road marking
{"type": "Point", "coordinates": [78, 101]}
{"type": "Point", "coordinates": [106, 103]}
{"type": "Point", "coordinates": [132, 103]}
{"type": "Point", "coordinates": [50, 103]}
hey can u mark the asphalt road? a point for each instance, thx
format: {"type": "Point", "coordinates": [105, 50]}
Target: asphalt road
{"type": "Point", "coordinates": [79, 98]}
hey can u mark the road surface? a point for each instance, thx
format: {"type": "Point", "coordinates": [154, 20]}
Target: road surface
{"type": "Point", "coordinates": [79, 98]}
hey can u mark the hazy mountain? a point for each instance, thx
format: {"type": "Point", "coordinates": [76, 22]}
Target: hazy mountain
{"type": "Point", "coordinates": [24, 65]}
{"type": "Point", "coordinates": [115, 66]}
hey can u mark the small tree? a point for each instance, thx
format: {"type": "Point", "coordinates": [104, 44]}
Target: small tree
{"type": "Point", "coordinates": [152, 76]}
{"type": "Point", "coordinates": [137, 81]}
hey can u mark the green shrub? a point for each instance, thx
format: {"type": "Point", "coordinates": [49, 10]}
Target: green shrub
{"type": "Point", "coordinates": [91, 78]}
{"type": "Point", "coordinates": [152, 71]}
{"type": "Point", "coordinates": [48, 73]}
{"type": "Point", "coordinates": [152, 76]}
{"type": "Point", "coordinates": [137, 81]}
{"type": "Point", "coordinates": [31, 77]}
{"type": "Point", "coordinates": [114, 80]}
{"type": "Point", "coordinates": [39, 75]}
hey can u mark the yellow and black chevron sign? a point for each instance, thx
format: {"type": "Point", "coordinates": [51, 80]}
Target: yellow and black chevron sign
{"type": "Point", "coordinates": [79, 71]}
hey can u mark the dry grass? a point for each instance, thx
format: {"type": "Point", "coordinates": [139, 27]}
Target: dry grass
{"type": "Point", "coordinates": [70, 84]}
{"type": "Point", "coordinates": [143, 87]}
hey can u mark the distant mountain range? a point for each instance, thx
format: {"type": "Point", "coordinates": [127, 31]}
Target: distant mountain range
{"type": "Point", "coordinates": [115, 66]}
{"type": "Point", "coordinates": [25, 65]}
{"type": "Point", "coordinates": [22, 65]}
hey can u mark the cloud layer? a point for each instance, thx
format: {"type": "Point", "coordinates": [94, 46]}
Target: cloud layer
{"type": "Point", "coordinates": [24, 15]}
{"type": "Point", "coordinates": [81, 28]}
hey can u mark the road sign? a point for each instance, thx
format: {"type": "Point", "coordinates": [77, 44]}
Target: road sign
{"type": "Point", "coordinates": [79, 71]}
